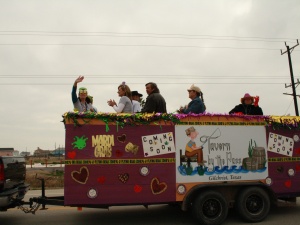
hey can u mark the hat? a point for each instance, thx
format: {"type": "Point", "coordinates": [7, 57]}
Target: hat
{"type": "Point", "coordinates": [134, 93]}
{"type": "Point", "coordinates": [194, 88]}
{"type": "Point", "coordinates": [247, 96]}
{"type": "Point", "coordinates": [82, 89]}
{"type": "Point", "coordinates": [190, 130]}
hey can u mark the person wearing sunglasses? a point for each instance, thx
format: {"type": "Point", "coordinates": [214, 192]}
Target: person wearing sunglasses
{"type": "Point", "coordinates": [83, 102]}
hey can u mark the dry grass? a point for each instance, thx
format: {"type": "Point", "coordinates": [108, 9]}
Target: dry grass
{"type": "Point", "coordinates": [54, 177]}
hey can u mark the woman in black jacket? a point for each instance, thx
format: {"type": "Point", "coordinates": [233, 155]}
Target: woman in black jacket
{"type": "Point", "coordinates": [247, 107]}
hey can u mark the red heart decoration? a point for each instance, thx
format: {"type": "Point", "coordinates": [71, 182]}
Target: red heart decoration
{"type": "Point", "coordinates": [81, 176]}
{"type": "Point", "coordinates": [71, 154]}
{"type": "Point", "coordinates": [297, 167]}
{"type": "Point", "coordinates": [101, 179]}
{"type": "Point", "coordinates": [297, 151]}
{"type": "Point", "coordinates": [158, 187]}
{"type": "Point", "coordinates": [137, 188]}
{"type": "Point", "coordinates": [288, 183]}
{"type": "Point", "coordinates": [119, 153]}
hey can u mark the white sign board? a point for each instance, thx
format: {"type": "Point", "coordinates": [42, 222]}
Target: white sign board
{"type": "Point", "coordinates": [158, 144]}
{"type": "Point", "coordinates": [280, 144]}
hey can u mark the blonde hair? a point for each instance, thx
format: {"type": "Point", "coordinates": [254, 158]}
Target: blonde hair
{"type": "Point", "coordinates": [126, 89]}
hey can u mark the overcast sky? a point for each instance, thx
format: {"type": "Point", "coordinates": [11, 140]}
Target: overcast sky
{"type": "Point", "coordinates": [227, 48]}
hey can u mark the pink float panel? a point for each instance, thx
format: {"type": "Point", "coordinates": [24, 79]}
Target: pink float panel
{"type": "Point", "coordinates": [283, 158]}
{"type": "Point", "coordinates": [108, 165]}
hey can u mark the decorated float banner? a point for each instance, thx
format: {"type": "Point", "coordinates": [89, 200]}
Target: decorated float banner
{"type": "Point", "coordinates": [220, 153]}
{"type": "Point", "coordinates": [281, 144]}
{"type": "Point", "coordinates": [158, 144]}
{"type": "Point", "coordinates": [119, 165]}
{"type": "Point", "coordinates": [283, 159]}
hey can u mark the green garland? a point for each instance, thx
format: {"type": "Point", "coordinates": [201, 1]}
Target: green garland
{"type": "Point", "coordinates": [290, 123]}
{"type": "Point", "coordinates": [120, 119]}
{"type": "Point", "coordinates": [123, 119]}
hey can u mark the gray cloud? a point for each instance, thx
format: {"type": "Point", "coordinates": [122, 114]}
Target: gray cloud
{"type": "Point", "coordinates": [173, 43]}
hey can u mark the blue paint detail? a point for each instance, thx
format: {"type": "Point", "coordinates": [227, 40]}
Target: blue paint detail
{"type": "Point", "coordinates": [218, 171]}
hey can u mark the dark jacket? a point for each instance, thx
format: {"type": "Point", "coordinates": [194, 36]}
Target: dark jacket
{"type": "Point", "coordinates": [195, 106]}
{"type": "Point", "coordinates": [247, 110]}
{"type": "Point", "coordinates": [156, 103]}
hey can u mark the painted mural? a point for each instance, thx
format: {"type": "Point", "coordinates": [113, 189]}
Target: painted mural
{"type": "Point", "coordinates": [220, 153]}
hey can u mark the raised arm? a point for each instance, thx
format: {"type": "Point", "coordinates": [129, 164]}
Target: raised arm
{"type": "Point", "coordinates": [74, 95]}
{"type": "Point", "coordinates": [78, 80]}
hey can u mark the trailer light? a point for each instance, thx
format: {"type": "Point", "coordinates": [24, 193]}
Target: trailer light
{"type": "Point", "coordinates": [291, 172]}
{"type": "Point", "coordinates": [296, 138]}
{"type": "Point", "coordinates": [268, 181]}
{"type": "Point", "coordinates": [92, 193]}
{"type": "Point", "coordinates": [181, 189]}
{"type": "Point", "coordinates": [144, 171]}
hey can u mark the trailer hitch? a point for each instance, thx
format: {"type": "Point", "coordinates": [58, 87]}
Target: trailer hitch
{"type": "Point", "coordinates": [32, 207]}
{"type": "Point", "coordinates": [43, 197]}
{"type": "Point", "coordinates": [36, 202]}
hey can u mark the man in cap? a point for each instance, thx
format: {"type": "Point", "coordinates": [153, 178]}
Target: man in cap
{"type": "Point", "coordinates": [136, 98]}
{"type": "Point", "coordinates": [196, 105]}
{"type": "Point", "coordinates": [247, 107]}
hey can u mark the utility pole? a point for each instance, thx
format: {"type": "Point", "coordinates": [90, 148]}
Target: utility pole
{"type": "Point", "coordinates": [288, 51]}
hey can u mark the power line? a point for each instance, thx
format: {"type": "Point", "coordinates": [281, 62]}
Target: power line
{"type": "Point", "coordinates": [111, 83]}
{"type": "Point", "coordinates": [144, 45]}
{"type": "Point", "coordinates": [147, 34]}
{"type": "Point", "coordinates": [136, 75]}
{"type": "Point", "coordinates": [288, 107]}
{"type": "Point", "coordinates": [143, 76]}
{"type": "Point", "coordinates": [141, 36]}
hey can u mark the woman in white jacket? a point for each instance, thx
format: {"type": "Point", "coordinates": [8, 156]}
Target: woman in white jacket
{"type": "Point", "coordinates": [125, 102]}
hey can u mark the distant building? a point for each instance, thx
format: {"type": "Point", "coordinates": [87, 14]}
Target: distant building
{"type": "Point", "coordinates": [58, 152]}
{"type": "Point", "coordinates": [6, 151]}
{"type": "Point", "coordinates": [41, 153]}
{"type": "Point", "coordinates": [24, 154]}
{"type": "Point", "coordinates": [16, 153]}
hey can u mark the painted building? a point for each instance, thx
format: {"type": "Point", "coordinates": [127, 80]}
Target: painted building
{"type": "Point", "coordinates": [6, 151]}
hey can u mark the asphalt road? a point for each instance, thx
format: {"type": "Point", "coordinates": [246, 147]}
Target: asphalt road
{"type": "Point", "coordinates": [129, 215]}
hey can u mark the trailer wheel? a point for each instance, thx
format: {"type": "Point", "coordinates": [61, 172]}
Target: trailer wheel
{"type": "Point", "coordinates": [210, 208]}
{"type": "Point", "coordinates": [253, 204]}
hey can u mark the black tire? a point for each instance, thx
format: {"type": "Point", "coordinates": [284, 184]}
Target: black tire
{"type": "Point", "coordinates": [210, 208]}
{"type": "Point", "coordinates": [253, 204]}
